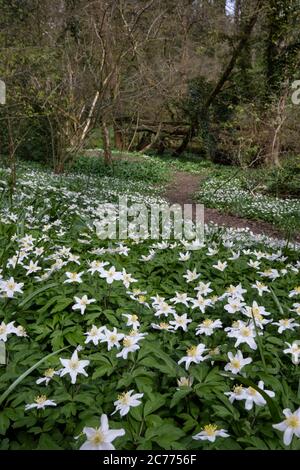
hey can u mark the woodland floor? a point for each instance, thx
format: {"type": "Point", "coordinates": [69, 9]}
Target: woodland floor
{"type": "Point", "coordinates": [181, 190]}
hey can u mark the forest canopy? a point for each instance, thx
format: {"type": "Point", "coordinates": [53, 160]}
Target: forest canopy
{"type": "Point", "coordinates": [214, 77]}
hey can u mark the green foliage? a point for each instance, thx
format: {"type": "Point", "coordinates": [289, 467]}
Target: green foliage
{"type": "Point", "coordinates": [127, 169]}
{"type": "Point", "coordinates": [169, 414]}
{"type": "Point", "coordinates": [250, 193]}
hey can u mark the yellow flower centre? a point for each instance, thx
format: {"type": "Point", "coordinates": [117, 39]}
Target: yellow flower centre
{"type": "Point", "coordinates": [127, 342]}
{"type": "Point", "coordinates": [40, 399]}
{"type": "Point", "coordinates": [285, 322]}
{"type": "Point", "coordinates": [11, 285]}
{"type": "Point", "coordinates": [49, 373]}
{"type": "Point", "coordinates": [73, 364]}
{"type": "Point", "coordinates": [134, 318]}
{"type": "Point", "coordinates": [252, 391]}
{"type": "Point", "coordinates": [113, 338]}
{"type": "Point", "coordinates": [2, 329]}
{"type": "Point", "coordinates": [297, 289]}
{"type": "Point", "coordinates": [97, 438]}
{"type": "Point", "coordinates": [207, 323]}
{"type": "Point", "coordinates": [142, 298]}
{"type": "Point", "coordinates": [293, 421]}
{"type": "Point", "coordinates": [123, 398]}
{"type": "Point", "coordinates": [210, 429]}
{"type": "Point", "coordinates": [238, 390]}
{"type": "Point", "coordinates": [235, 363]}
{"type": "Point", "coordinates": [94, 331]}
{"type": "Point", "coordinates": [191, 352]}
{"type": "Point", "coordinates": [164, 326]}
{"type": "Point", "coordinates": [245, 332]}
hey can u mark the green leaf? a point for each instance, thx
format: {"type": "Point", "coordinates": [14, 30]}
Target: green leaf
{"type": "Point", "coordinates": [101, 371]}
{"type": "Point", "coordinates": [152, 405]}
{"type": "Point", "coordinates": [62, 305]}
{"type": "Point", "coordinates": [47, 443]}
{"type": "Point", "coordinates": [180, 395]}
{"type": "Point", "coordinates": [4, 423]}
{"type": "Point", "coordinates": [165, 434]}
{"type": "Point", "coordinates": [37, 292]}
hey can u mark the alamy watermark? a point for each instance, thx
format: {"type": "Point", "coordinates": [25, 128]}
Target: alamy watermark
{"type": "Point", "coordinates": [2, 92]}
{"type": "Point", "coordinates": [123, 221]}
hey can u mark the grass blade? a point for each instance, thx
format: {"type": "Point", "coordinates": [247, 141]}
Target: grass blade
{"type": "Point", "coordinates": [37, 292]}
{"type": "Point", "coordinates": [26, 373]}
{"type": "Point", "coordinates": [277, 302]}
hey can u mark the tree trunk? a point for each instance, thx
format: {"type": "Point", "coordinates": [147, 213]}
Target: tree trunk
{"type": "Point", "coordinates": [273, 158]}
{"type": "Point", "coordinates": [106, 144]}
{"type": "Point", "coordinates": [186, 140]}
{"type": "Point", "coordinates": [144, 141]}
{"type": "Point", "coordinates": [118, 138]}
{"type": "Point", "coordinates": [90, 117]}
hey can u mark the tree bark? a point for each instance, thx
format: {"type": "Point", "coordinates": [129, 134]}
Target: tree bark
{"type": "Point", "coordinates": [273, 158]}
{"type": "Point", "coordinates": [90, 117]}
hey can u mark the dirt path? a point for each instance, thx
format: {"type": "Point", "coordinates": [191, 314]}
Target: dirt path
{"type": "Point", "coordinates": [181, 191]}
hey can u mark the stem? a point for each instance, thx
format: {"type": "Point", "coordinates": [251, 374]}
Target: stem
{"type": "Point", "coordinates": [259, 344]}
{"type": "Point", "coordinates": [141, 427]}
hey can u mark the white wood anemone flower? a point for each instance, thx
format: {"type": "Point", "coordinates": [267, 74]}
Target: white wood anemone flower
{"type": "Point", "coordinates": [73, 367]}
{"type": "Point", "coordinates": [210, 433]}
{"type": "Point", "coordinates": [40, 402]}
{"type": "Point", "coordinates": [236, 362]}
{"type": "Point", "coordinates": [126, 401]}
{"type": "Point", "coordinates": [194, 354]}
{"type": "Point", "coordinates": [101, 438]}
{"type": "Point", "coordinates": [290, 426]}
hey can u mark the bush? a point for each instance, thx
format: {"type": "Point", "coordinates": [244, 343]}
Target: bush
{"type": "Point", "coordinates": [285, 181]}
{"type": "Point", "coordinates": [144, 170]}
